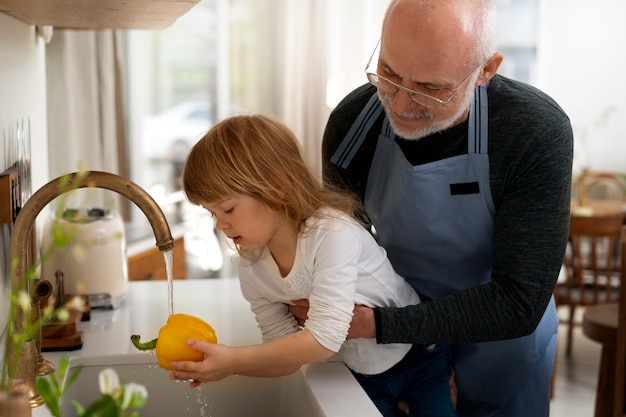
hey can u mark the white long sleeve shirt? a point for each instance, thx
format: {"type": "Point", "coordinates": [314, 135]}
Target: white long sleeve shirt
{"type": "Point", "coordinates": [337, 264]}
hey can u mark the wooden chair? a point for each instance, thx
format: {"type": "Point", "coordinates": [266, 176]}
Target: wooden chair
{"type": "Point", "coordinates": [606, 324]}
{"type": "Point", "coordinates": [591, 266]}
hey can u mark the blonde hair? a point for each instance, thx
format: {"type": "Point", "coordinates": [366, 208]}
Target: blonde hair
{"type": "Point", "coordinates": [260, 157]}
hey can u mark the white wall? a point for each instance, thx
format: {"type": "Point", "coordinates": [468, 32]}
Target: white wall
{"type": "Point", "coordinates": [22, 97]}
{"type": "Point", "coordinates": [346, 65]}
{"type": "Point", "coordinates": [582, 64]}
{"type": "Point", "coordinates": [23, 89]}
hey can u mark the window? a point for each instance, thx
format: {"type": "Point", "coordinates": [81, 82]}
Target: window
{"type": "Point", "coordinates": [292, 59]}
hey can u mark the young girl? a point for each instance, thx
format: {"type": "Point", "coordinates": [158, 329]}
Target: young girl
{"type": "Point", "coordinates": [300, 240]}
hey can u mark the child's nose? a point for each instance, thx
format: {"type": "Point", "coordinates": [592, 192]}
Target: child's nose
{"type": "Point", "coordinates": [221, 225]}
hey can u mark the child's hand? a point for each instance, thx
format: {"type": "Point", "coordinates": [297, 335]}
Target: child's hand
{"type": "Point", "coordinates": [217, 364]}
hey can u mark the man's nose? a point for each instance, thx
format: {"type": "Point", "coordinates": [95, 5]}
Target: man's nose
{"type": "Point", "coordinates": [401, 102]}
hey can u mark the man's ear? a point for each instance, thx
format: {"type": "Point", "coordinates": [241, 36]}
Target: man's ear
{"type": "Point", "coordinates": [490, 68]}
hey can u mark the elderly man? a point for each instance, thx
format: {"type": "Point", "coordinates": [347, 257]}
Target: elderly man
{"type": "Point", "coordinates": [465, 176]}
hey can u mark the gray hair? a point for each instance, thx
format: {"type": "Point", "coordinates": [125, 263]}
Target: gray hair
{"type": "Point", "coordinates": [486, 28]}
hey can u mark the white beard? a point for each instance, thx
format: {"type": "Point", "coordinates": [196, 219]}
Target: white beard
{"type": "Point", "coordinates": [432, 126]}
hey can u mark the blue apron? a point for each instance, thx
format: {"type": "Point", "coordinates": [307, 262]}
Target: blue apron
{"type": "Point", "coordinates": [436, 222]}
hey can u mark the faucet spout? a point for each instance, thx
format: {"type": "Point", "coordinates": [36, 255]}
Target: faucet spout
{"type": "Point", "coordinates": [40, 199]}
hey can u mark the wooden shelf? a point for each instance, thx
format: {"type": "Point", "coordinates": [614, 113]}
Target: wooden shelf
{"type": "Point", "coordinates": [9, 190]}
{"type": "Point", "coordinates": [98, 14]}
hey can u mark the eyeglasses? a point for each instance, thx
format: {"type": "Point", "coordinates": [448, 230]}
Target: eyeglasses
{"type": "Point", "coordinates": [419, 97]}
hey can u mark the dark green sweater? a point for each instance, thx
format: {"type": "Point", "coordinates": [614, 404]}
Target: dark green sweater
{"type": "Point", "coordinates": [530, 158]}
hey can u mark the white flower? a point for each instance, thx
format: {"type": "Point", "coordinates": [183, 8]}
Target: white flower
{"type": "Point", "coordinates": [48, 310]}
{"type": "Point", "coordinates": [109, 381]}
{"type": "Point", "coordinates": [76, 303]}
{"type": "Point", "coordinates": [126, 396]}
{"type": "Point", "coordinates": [23, 300]}
{"type": "Point", "coordinates": [63, 314]}
{"type": "Point", "coordinates": [135, 395]}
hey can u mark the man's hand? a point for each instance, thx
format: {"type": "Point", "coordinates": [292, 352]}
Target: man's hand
{"type": "Point", "coordinates": [299, 309]}
{"type": "Point", "coordinates": [362, 324]}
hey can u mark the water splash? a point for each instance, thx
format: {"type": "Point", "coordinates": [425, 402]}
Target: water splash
{"type": "Point", "coordinates": [206, 409]}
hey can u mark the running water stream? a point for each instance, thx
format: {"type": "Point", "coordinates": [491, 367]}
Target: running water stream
{"type": "Point", "coordinates": [169, 269]}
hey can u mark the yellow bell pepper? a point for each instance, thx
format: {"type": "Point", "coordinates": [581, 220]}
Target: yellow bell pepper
{"type": "Point", "coordinates": [171, 345]}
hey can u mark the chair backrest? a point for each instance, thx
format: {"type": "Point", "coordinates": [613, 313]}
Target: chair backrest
{"type": "Point", "coordinates": [592, 261]}
{"type": "Point", "coordinates": [619, 405]}
{"type": "Point", "coordinates": [599, 185]}
{"type": "Point", "coordinates": [606, 186]}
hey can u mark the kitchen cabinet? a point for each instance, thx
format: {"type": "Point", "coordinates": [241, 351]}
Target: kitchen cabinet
{"type": "Point", "coordinates": [100, 14]}
{"type": "Point", "coordinates": [149, 264]}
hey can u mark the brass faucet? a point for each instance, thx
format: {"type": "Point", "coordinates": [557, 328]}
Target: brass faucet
{"type": "Point", "coordinates": [27, 363]}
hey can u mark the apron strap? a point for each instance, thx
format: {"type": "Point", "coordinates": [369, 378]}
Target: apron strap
{"type": "Point", "coordinates": [478, 122]}
{"type": "Point", "coordinates": [357, 133]}
{"type": "Point", "coordinates": [387, 131]}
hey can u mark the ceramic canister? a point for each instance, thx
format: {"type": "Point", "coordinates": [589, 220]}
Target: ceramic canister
{"type": "Point", "coordinates": [94, 263]}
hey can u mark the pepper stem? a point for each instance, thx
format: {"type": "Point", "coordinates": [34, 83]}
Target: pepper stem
{"type": "Point", "coordinates": [151, 345]}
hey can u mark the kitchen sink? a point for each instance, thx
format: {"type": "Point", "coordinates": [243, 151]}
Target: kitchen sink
{"type": "Point", "coordinates": [322, 389]}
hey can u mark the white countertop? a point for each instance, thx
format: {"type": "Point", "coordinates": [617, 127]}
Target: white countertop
{"type": "Point", "coordinates": [217, 301]}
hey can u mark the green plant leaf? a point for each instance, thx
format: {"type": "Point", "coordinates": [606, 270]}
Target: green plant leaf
{"type": "Point", "coordinates": [105, 407]}
{"type": "Point", "coordinates": [51, 398]}
{"type": "Point", "coordinates": [73, 376]}
{"type": "Point", "coordinates": [79, 407]}
{"type": "Point", "coordinates": [54, 387]}
{"type": "Point", "coordinates": [58, 376]}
